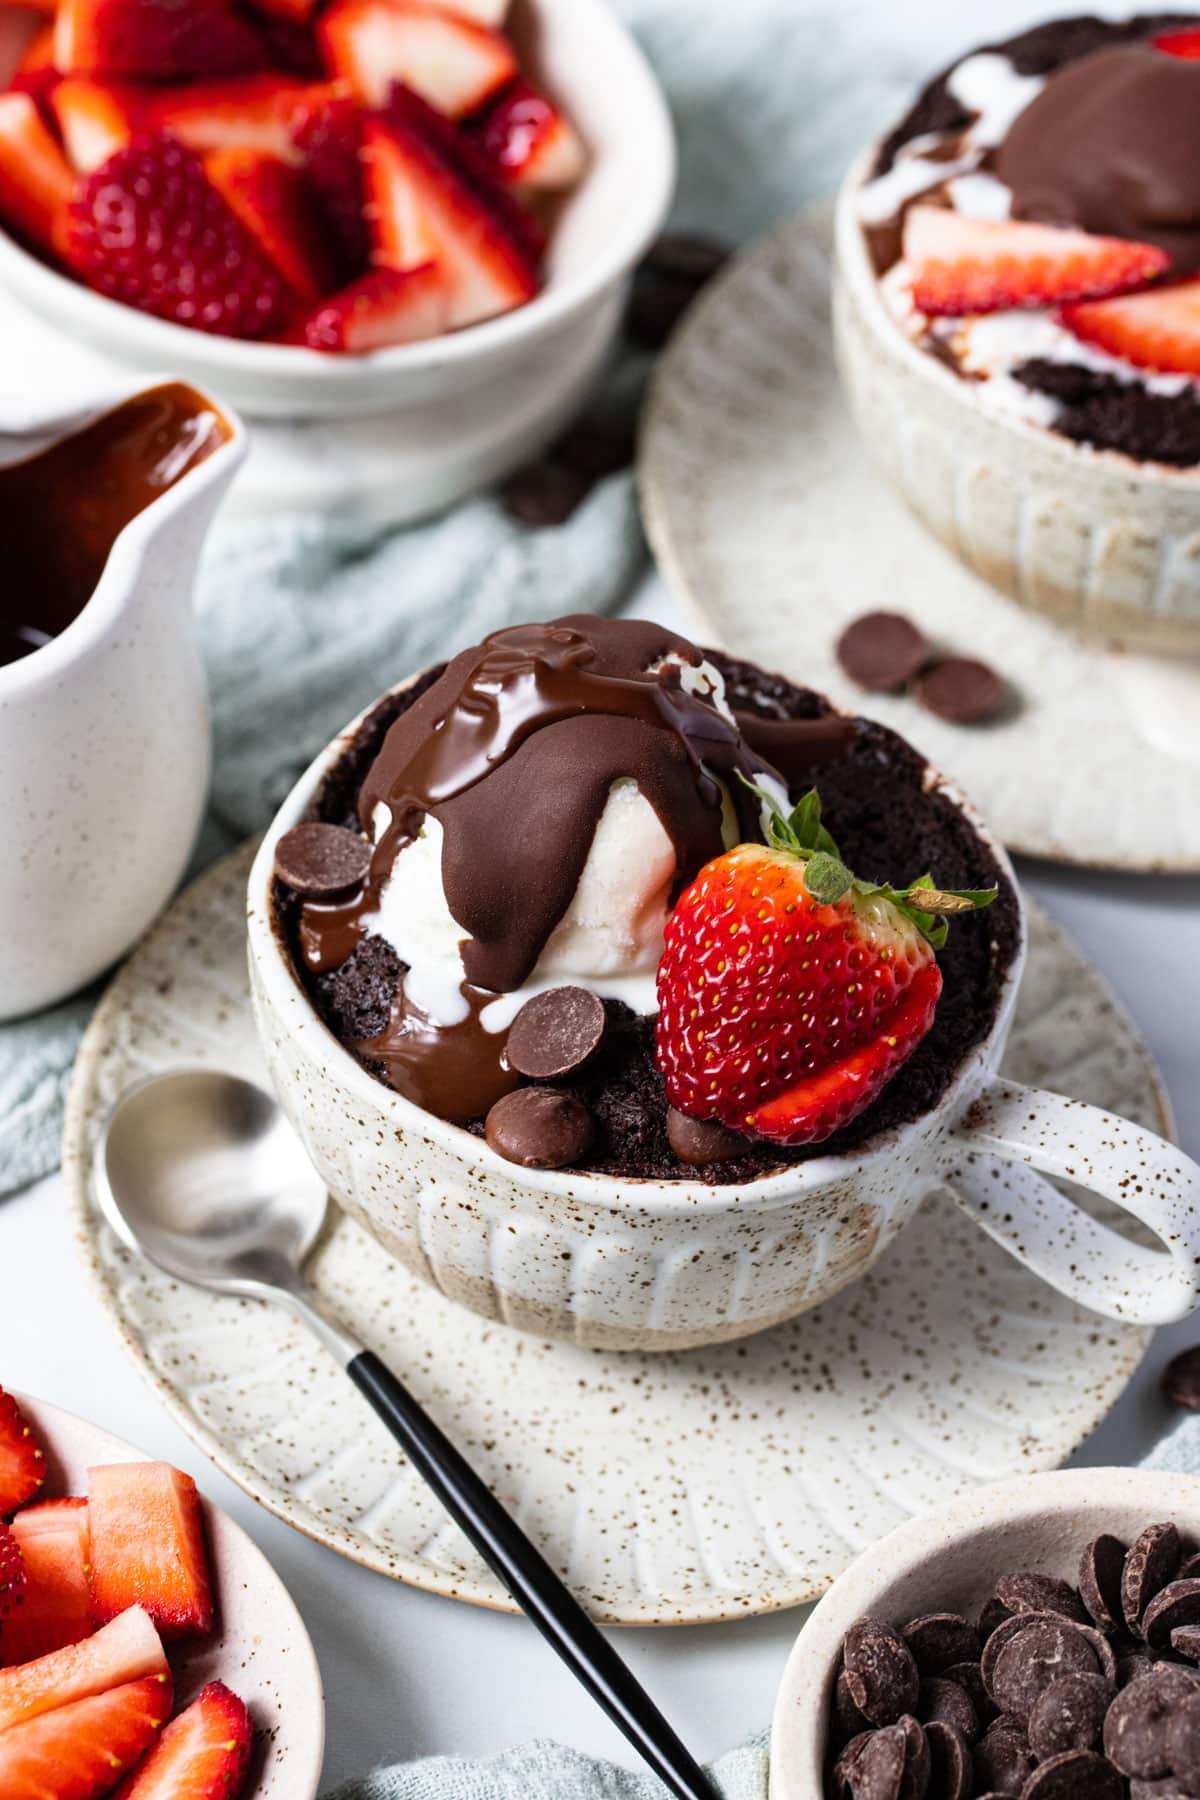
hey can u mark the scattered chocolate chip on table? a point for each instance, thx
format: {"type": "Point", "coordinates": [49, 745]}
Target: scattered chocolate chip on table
{"type": "Point", "coordinates": [883, 651]}
{"type": "Point", "coordinates": [961, 690]}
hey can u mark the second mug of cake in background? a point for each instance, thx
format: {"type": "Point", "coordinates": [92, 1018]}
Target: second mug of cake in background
{"type": "Point", "coordinates": [484, 1096]}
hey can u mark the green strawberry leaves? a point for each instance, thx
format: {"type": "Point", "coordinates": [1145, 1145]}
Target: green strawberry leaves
{"type": "Point", "coordinates": [801, 833]}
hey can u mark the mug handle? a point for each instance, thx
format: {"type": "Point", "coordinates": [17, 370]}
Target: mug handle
{"type": "Point", "coordinates": [990, 1162]}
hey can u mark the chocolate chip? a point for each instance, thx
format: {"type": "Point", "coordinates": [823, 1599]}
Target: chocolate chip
{"type": "Point", "coordinates": [544, 493]}
{"type": "Point", "coordinates": [1185, 1641]}
{"type": "Point", "coordinates": [1189, 1568]}
{"type": "Point", "coordinates": [846, 1767]}
{"type": "Point", "coordinates": [1137, 1728]}
{"type": "Point", "coordinates": [1076, 1775]}
{"type": "Point", "coordinates": [950, 1767]}
{"type": "Point", "coordinates": [882, 651]}
{"type": "Point", "coordinates": [598, 447]}
{"type": "Point", "coordinates": [1031, 1658]}
{"type": "Point", "coordinates": [939, 1639]}
{"type": "Point", "coordinates": [699, 1141]}
{"type": "Point", "coordinates": [1002, 1758]}
{"type": "Point", "coordinates": [997, 1639]}
{"type": "Point", "coordinates": [539, 1128]}
{"type": "Point", "coordinates": [893, 1764]}
{"type": "Point", "coordinates": [968, 1676]}
{"type": "Point", "coordinates": [881, 1675]}
{"type": "Point", "coordinates": [948, 1703]}
{"type": "Point", "coordinates": [1174, 1606]}
{"type": "Point", "coordinates": [1150, 1563]}
{"type": "Point", "coordinates": [1183, 1742]}
{"type": "Point", "coordinates": [992, 1615]}
{"type": "Point", "coordinates": [1069, 1715]}
{"type": "Point", "coordinates": [556, 1033]}
{"type": "Point", "coordinates": [1181, 1379]}
{"type": "Point", "coordinates": [319, 862]}
{"type": "Point", "coordinates": [961, 690]}
{"type": "Point", "coordinates": [1134, 1664]}
{"type": "Point", "coordinates": [848, 1722]}
{"type": "Point", "coordinates": [1166, 1789]}
{"type": "Point", "coordinates": [1100, 1569]}
{"type": "Point", "coordinates": [686, 256]}
{"type": "Point", "coordinates": [1025, 1593]}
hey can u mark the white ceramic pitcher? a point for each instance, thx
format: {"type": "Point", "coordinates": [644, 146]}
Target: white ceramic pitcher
{"type": "Point", "coordinates": [104, 730]}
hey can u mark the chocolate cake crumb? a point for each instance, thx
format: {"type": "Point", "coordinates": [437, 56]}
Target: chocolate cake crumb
{"type": "Point", "coordinates": [1111, 414]}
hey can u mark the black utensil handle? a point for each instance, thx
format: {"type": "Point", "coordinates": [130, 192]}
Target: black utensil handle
{"type": "Point", "coordinates": [540, 1593]}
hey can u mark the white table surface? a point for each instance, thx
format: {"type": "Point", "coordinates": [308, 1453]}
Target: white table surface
{"type": "Point", "coordinates": [408, 1674]}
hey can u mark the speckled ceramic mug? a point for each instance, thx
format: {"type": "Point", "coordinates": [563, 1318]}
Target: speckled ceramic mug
{"type": "Point", "coordinates": [619, 1263]}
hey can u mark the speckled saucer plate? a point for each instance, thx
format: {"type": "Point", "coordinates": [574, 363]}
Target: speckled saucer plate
{"type": "Point", "coordinates": [260, 1647]}
{"type": "Point", "coordinates": [671, 1489]}
{"type": "Point", "coordinates": [773, 528]}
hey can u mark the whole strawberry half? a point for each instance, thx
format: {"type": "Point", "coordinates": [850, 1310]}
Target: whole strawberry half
{"type": "Point", "coordinates": [789, 992]}
{"type": "Point", "coordinates": [149, 229]}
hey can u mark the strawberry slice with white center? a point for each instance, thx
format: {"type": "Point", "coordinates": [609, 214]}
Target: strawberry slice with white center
{"type": "Point", "coordinates": [147, 1540]}
{"type": "Point", "coordinates": [451, 61]}
{"type": "Point", "coordinates": [56, 1609]}
{"type": "Point", "coordinates": [34, 72]}
{"type": "Point", "coordinates": [202, 1755]}
{"type": "Point", "coordinates": [95, 118]}
{"type": "Point", "coordinates": [35, 185]}
{"type": "Point", "coordinates": [127, 1650]}
{"type": "Point", "coordinates": [252, 112]}
{"type": "Point", "coordinates": [272, 200]}
{"type": "Point", "coordinates": [79, 1750]}
{"type": "Point", "coordinates": [529, 143]}
{"type": "Point", "coordinates": [961, 265]}
{"type": "Point", "coordinates": [1159, 329]}
{"type": "Point", "coordinates": [382, 308]}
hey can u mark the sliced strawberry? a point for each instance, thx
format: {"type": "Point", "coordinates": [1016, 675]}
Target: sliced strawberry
{"type": "Point", "coordinates": [253, 112]}
{"type": "Point", "coordinates": [383, 307]}
{"type": "Point", "coordinates": [962, 265]}
{"type": "Point", "coordinates": [95, 119]}
{"type": "Point", "coordinates": [204, 1754]}
{"type": "Point", "coordinates": [1184, 43]}
{"type": "Point", "coordinates": [149, 229]}
{"type": "Point", "coordinates": [147, 40]}
{"type": "Point", "coordinates": [126, 1650]}
{"type": "Point", "coordinates": [35, 73]}
{"type": "Point", "coordinates": [79, 1750]}
{"type": "Point", "coordinates": [297, 11]}
{"type": "Point", "coordinates": [14, 1577]}
{"type": "Point", "coordinates": [272, 200]}
{"type": "Point", "coordinates": [453, 62]}
{"type": "Point", "coordinates": [468, 160]}
{"type": "Point", "coordinates": [328, 135]}
{"type": "Point", "coordinates": [421, 211]}
{"type": "Point", "coordinates": [22, 1459]}
{"type": "Point", "coordinates": [57, 1607]}
{"type": "Point", "coordinates": [1156, 330]}
{"type": "Point", "coordinates": [35, 185]}
{"type": "Point", "coordinates": [529, 143]}
{"type": "Point", "coordinates": [147, 1538]}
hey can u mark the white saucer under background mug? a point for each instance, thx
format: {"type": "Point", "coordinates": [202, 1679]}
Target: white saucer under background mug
{"type": "Point", "coordinates": [104, 732]}
{"type": "Point", "coordinates": [615, 1262]}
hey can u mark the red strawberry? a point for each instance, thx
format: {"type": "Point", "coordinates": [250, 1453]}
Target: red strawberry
{"type": "Point", "coordinates": [272, 201]}
{"type": "Point", "coordinates": [78, 1751]}
{"type": "Point", "coordinates": [962, 265]}
{"type": "Point", "coordinates": [95, 119]}
{"type": "Point", "coordinates": [35, 185]}
{"type": "Point", "coordinates": [35, 73]}
{"type": "Point", "coordinates": [204, 1754]}
{"type": "Point", "coordinates": [149, 229]}
{"type": "Point", "coordinates": [22, 1459]}
{"type": "Point", "coordinates": [127, 1650]}
{"type": "Point", "coordinates": [421, 210]}
{"type": "Point", "coordinates": [451, 61]}
{"type": "Point", "coordinates": [788, 992]}
{"type": "Point", "coordinates": [1179, 43]}
{"type": "Point", "coordinates": [295, 11]}
{"type": "Point", "coordinates": [1157, 330]}
{"type": "Point", "coordinates": [383, 307]}
{"type": "Point", "coordinates": [155, 40]}
{"type": "Point", "coordinates": [57, 1608]}
{"type": "Point", "coordinates": [147, 1539]}
{"type": "Point", "coordinates": [14, 1577]}
{"type": "Point", "coordinates": [327, 134]}
{"type": "Point", "coordinates": [249, 112]}
{"type": "Point", "coordinates": [467, 158]}
{"type": "Point", "coordinates": [529, 143]}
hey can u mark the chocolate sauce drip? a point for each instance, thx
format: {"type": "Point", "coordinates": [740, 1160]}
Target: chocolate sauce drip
{"type": "Point", "coordinates": [1112, 145]}
{"type": "Point", "coordinates": [62, 510]}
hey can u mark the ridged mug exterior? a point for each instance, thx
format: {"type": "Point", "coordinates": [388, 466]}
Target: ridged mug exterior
{"type": "Point", "coordinates": [1091, 538]}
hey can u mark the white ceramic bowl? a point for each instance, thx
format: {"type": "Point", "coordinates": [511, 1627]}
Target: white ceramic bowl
{"type": "Point", "coordinates": [1092, 538]}
{"type": "Point", "coordinates": [260, 1647]}
{"type": "Point", "coordinates": [513, 380]}
{"type": "Point", "coordinates": [948, 1561]}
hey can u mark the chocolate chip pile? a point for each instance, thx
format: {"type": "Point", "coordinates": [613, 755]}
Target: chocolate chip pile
{"type": "Point", "coordinates": [1054, 1693]}
{"type": "Point", "coordinates": [885, 653]}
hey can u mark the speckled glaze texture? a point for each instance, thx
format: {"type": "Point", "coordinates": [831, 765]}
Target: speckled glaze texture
{"type": "Point", "coordinates": [670, 1487]}
{"type": "Point", "coordinates": [259, 1646]}
{"type": "Point", "coordinates": [948, 1561]}
{"type": "Point", "coordinates": [1094, 539]}
{"type": "Point", "coordinates": [668, 1265]}
{"type": "Point", "coordinates": [102, 732]}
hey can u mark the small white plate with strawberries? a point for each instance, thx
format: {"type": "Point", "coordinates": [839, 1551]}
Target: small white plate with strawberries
{"type": "Point", "coordinates": [147, 1648]}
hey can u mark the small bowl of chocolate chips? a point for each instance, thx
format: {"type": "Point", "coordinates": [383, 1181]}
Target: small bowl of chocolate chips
{"type": "Point", "coordinates": [1038, 1639]}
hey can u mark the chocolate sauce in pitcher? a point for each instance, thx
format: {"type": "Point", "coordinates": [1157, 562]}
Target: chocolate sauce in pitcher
{"type": "Point", "coordinates": [62, 510]}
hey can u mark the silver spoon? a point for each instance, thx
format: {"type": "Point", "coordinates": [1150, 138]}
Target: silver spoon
{"type": "Point", "coordinates": [201, 1173]}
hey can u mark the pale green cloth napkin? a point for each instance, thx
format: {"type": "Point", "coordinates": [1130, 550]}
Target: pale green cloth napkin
{"type": "Point", "coordinates": [547, 1771]}
{"type": "Point", "coordinates": [302, 622]}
